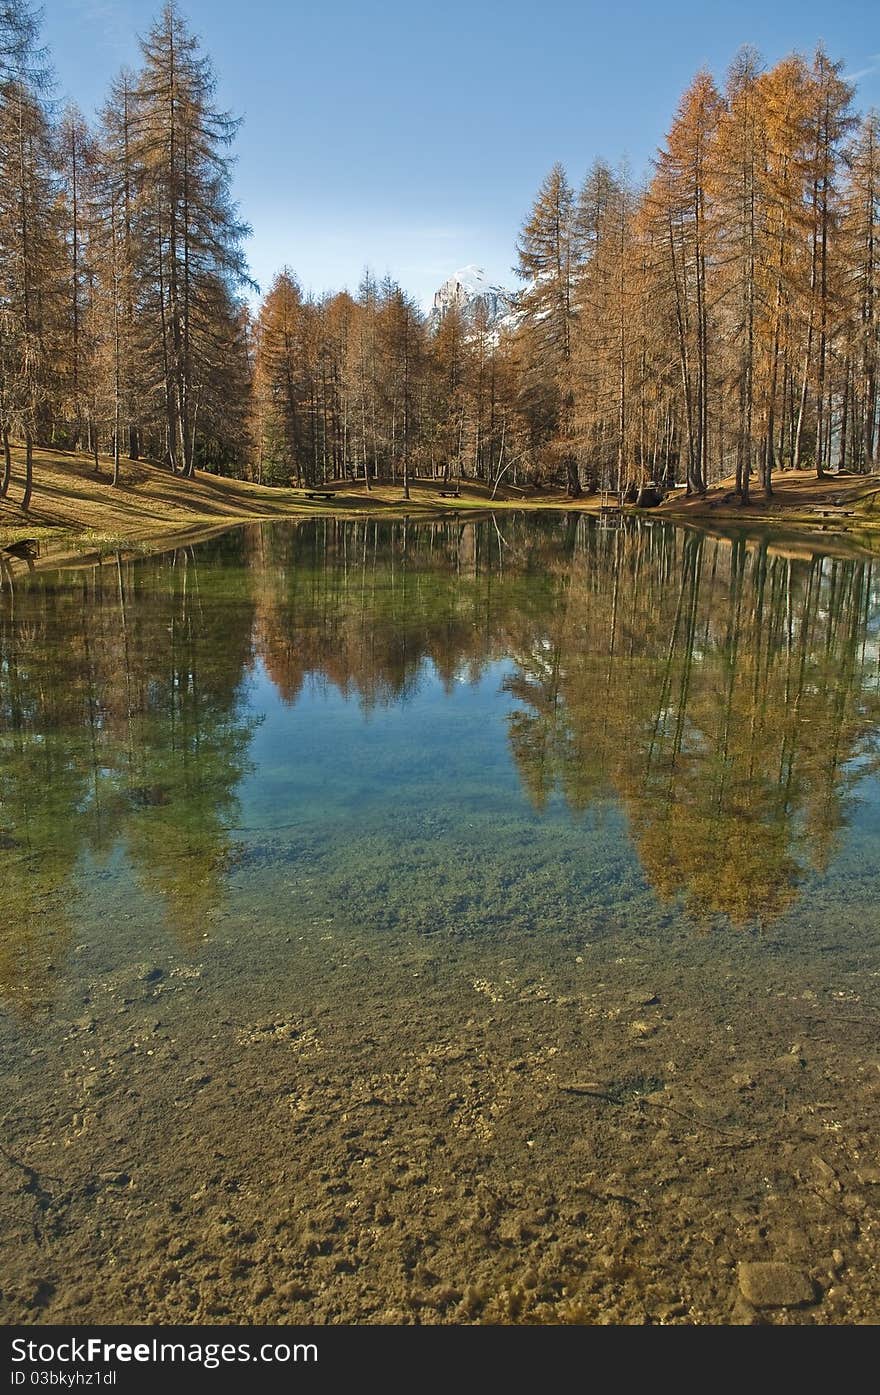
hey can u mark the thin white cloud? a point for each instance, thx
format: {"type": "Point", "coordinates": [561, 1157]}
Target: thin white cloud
{"type": "Point", "coordinates": [873, 66]}
{"type": "Point", "coordinates": [111, 20]}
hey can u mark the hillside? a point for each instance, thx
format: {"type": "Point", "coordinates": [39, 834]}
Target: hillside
{"type": "Point", "coordinates": [74, 506]}
{"type": "Point", "coordinates": [798, 496]}
{"type": "Point", "coordinates": [70, 500]}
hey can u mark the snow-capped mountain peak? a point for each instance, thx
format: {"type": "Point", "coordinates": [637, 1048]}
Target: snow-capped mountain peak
{"type": "Point", "coordinates": [468, 290]}
{"type": "Point", "coordinates": [461, 287]}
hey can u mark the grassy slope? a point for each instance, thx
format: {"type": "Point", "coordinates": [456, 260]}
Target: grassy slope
{"type": "Point", "coordinates": [70, 499]}
{"type": "Point", "coordinates": [798, 496]}
{"type": "Point", "coordinates": [73, 505]}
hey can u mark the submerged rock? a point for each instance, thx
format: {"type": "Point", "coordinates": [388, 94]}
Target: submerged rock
{"type": "Point", "coordinates": [770, 1284]}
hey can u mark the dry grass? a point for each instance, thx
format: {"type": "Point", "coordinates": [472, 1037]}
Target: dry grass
{"type": "Point", "coordinates": [73, 506]}
{"type": "Point", "coordinates": [797, 495]}
{"type": "Point", "coordinates": [69, 498]}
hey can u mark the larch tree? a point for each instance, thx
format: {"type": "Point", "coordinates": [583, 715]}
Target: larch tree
{"type": "Point", "coordinates": [30, 244]}
{"type": "Point", "coordinates": [112, 324]}
{"type": "Point", "coordinates": [738, 175]}
{"type": "Point", "coordinates": [192, 235]}
{"type": "Point", "coordinates": [726, 316]}
{"type": "Point", "coordinates": [860, 232]}
{"type": "Point", "coordinates": [831, 121]}
{"type": "Point", "coordinates": [606, 371]}
{"type": "Point", "coordinates": [547, 263]}
{"type": "Point", "coordinates": [119, 210]}
{"type": "Point", "coordinates": [684, 243]}
{"type": "Point", "coordinates": [401, 346]}
{"type": "Point", "coordinates": [277, 380]}
{"type": "Point", "coordinates": [76, 162]}
{"type": "Point", "coordinates": [451, 357]}
{"type": "Point", "coordinates": [784, 98]}
{"type": "Point", "coordinates": [366, 374]}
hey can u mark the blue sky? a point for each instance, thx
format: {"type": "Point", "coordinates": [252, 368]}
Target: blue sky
{"type": "Point", "coordinates": [412, 137]}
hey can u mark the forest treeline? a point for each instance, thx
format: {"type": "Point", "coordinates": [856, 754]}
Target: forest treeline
{"type": "Point", "coordinates": [720, 318]}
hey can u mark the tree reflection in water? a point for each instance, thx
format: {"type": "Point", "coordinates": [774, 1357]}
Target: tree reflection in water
{"type": "Point", "coordinates": [724, 692]}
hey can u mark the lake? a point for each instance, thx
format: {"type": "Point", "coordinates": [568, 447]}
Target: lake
{"type": "Point", "coordinates": [442, 922]}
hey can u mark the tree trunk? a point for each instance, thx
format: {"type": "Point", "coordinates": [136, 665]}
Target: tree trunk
{"type": "Point", "coordinates": [7, 464]}
{"type": "Point", "coordinates": [28, 472]}
{"type": "Point", "coordinates": [573, 490]}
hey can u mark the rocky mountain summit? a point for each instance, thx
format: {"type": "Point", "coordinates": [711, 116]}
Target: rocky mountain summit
{"type": "Point", "coordinates": [470, 292]}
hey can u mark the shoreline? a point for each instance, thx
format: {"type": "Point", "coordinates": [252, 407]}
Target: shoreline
{"type": "Point", "coordinates": [76, 513]}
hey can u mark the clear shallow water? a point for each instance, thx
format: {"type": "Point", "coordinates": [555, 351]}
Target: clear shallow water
{"type": "Point", "coordinates": [440, 922]}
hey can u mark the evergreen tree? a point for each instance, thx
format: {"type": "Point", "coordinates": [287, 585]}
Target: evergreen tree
{"type": "Point", "coordinates": [30, 247]}
{"type": "Point", "coordinates": [547, 250]}
{"type": "Point", "coordinates": [190, 231]}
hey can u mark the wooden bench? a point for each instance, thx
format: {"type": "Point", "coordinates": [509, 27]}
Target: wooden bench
{"type": "Point", "coordinates": [318, 493]}
{"type": "Point", "coordinates": [449, 493]}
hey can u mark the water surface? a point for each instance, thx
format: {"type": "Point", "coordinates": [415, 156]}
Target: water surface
{"type": "Point", "coordinates": [440, 922]}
